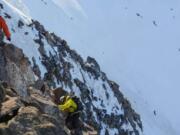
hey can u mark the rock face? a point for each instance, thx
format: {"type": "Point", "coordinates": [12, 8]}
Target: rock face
{"type": "Point", "coordinates": [37, 115]}
{"type": "Point", "coordinates": [15, 68]}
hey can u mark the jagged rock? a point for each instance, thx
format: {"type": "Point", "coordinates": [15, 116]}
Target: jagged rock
{"type": "Point", "coordinates": [45, 89]}
{"type": "Point", "coordinates": [92, 66]}
{"type": "Point", "coordinates": [62, 50]}
{"type": "Point", "coordinates": [115, 88]}
{"type": "Point", "coordinates": [85, 93]}
{"type": "Point", "coordinates": [35, 68]}
{"type": "Point", "coordinates": [31, 120]}
{"type": "Point", "coordinates": [66, 74]}
{"type": "Point", "coordinates": [42, 86]}
{"type": "Point", "coordinates": [86, 99]}
{"type": "Point", "coordinates": [4, 84]}
{"type": "Point", "coordinates": [38, 26]}
{"type": "Point", "coordinates": [35, 115]}
{"type": "Point", "coordinates": [39, 41]}
{"type": "Point", "coordinates": [76, 57]}
{"type": "Point", "coordinates": [89, 130]}
{"type": "Point", "coordinates": [51, 39]}
{"type": "Point", "coordinates": [44, 104]}
{"type": "Point", "coordinates": [103, 76]}
{"type": "Point", "coordinates": [129, 113]}
{"type": "Point", "coordinates": [11, 92]}
{"type": "Point", "coordinates": [15, 68]}
{"type": "Point", "coordinates": [9, 109]}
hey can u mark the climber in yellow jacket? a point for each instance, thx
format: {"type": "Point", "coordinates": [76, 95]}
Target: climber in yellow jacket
{"type": "Point", "coordinates": [68, 104]}
{"type": "Point", "coordinates": [72, 108]}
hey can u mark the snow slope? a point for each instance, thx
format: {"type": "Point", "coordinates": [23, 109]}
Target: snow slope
{"type": "Point", "coordinates": [135, 42]}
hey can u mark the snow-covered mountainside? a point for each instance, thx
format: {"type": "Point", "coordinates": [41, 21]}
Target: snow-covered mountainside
{"type": "Point", "coordinates": [105, 107]}
{"type": "Point", "coordinates": [92, 33]}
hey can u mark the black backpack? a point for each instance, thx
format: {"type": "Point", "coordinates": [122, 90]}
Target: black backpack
{"type": "Point", "coordinates": [78, 102]}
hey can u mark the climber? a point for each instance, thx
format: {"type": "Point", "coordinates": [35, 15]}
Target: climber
{"type": "Point", "coordinates": [68, 104]}
{"type": "Point", "coordinates": [4, 30]}
{"type": "Point", "coordinates": [72, 107]}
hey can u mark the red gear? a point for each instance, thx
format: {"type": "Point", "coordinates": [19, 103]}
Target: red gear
{"type": "Point", "coordinates": [4, 26]}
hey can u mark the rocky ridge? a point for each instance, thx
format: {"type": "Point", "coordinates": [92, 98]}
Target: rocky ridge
{"type": "Point", "coordinates": [25, 111]}
{"type": "Point", "coordinates": [91, 67]}
{"type": "Point", "coordinates": [105, 107]}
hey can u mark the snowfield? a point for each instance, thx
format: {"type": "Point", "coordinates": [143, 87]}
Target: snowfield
{"type": "Point", "coordinates": [135, 42]}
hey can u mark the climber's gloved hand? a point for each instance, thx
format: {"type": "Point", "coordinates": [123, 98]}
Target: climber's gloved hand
{"type": "Point", "coordinates": [9, 38]}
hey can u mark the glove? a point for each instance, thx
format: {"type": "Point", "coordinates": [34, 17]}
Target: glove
{"type": "Point", "coordinates": [9, 38]}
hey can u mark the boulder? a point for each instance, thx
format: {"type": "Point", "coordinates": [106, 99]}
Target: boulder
{"type": "Point", "coordinates": [35, 115]}
{"type": "Point", "coordinates": [31, 121]}
{"type": "Point", "coordinates": [9, 109]}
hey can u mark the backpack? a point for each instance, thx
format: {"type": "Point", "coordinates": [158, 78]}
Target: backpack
{"type": "Point", "coordinates": [78, 102]}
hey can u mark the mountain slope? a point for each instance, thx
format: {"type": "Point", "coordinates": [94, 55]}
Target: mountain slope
{"type": "Point", "coordinates": [136, 44]}
{"type": "Point", "coordinates": [74, 25]}
{"type": "Point", "coordinates": [52, 61]}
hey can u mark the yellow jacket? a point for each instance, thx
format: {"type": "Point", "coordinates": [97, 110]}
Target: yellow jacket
{"type": "Point", "coordinates": [68, 106]}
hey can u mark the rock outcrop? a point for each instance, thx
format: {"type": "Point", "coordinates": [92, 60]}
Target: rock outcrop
{"type": "Point", "coordinates": [37, 115]}
{"type": "Point", "coordinates": [24, 110]}
{"type": "Point", "coordinates": [36, 112]}
{"type": "Point", "coordinates": [15, 68]}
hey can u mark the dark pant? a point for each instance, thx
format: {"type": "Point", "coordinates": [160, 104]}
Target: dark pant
{"type": "Point", "coordinates": [73, 121]}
